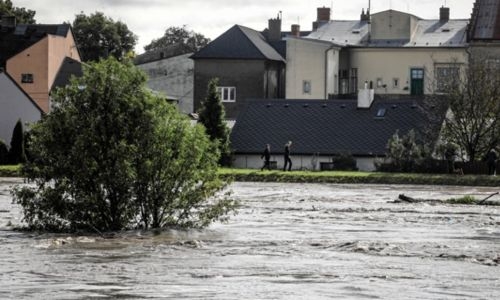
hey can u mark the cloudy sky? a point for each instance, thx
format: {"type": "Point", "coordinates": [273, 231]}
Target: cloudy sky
{"type": "Point", "coordinates": [148, 19]}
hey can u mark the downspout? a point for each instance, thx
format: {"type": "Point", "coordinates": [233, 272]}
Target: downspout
{"type": "Point", "coordinates": [326, 70]}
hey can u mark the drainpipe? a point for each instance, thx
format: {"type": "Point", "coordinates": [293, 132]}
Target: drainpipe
{"type": "Point", "coordinates": [326, 70]}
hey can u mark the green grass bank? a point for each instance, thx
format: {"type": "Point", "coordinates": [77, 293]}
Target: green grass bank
{"type": "Point", "coordinates": [359, 177]}
{"type": "Point", "coordinates": [335, 177]}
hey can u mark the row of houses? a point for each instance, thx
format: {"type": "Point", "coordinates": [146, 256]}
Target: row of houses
{"type": "Point", "coordinates": [334, 81]}
{"type": "Point", "coordinates": [346, 86]}
{"type": "Point", "coordinates": [34, 60]}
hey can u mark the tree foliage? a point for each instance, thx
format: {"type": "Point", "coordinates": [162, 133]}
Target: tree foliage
{"type": "Point", "coordinates": [189, 39]}
{"type": "Point", "coordinates": [405, 152]}
{"type": "Point", "coordinates": [17, 154]}
{"type": "Point", "coordinates": [111, 156]}
{"type": "Point", "coordinates": [99, 36]}
{"type": "Point", "coordinates": [474, 99]}
{"type": "Point", "coordinates": [23, 15]}
{"type": "Point", "coordinates": [4, 151]}
{"type": "Point", "coordinates": [212, 116]}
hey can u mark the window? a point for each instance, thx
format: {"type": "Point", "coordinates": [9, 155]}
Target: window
{"type": "Point", "coordinates": [380, 113]}
{"type": "Point", "coordinates": [395, 83]}
{"type": "Point", "coordinates": [344, 81]}
{"type": "Point", "coordinates": [306, 87]}
{"type": "Point", "coordinates": [227, 93]}
{"type": "Point", "coordinates": [354, 80]}
{"type": "Point", "coordinates": [26, 78]}
{"type": "Point", "coordinates": [380, 82]}
{"type": "Point", "coordinates": [446, 76]}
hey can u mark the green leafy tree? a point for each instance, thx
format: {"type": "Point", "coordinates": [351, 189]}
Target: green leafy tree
{"type": "Point", "coordinates": [98, 36]}
{"type": "Point", "coordinates": [111, 156]}
{"type": "Point", "coordinates": [404, 152]}
{"type": "Point", "coordinates": [474, 99]}
{"type": "Point", "coordinates": [190, 40]}
{"type": "Point", "coordinates": [23, 15]}
{"type": "Point", "coordinates": [4, 151]}
{"type": "Point", "coordinates": [17, 154]}
{"type": "Point", "coordinates": [212, 115]}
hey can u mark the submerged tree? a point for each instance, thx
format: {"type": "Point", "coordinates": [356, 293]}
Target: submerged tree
{"type": "Point", "coordinates": [111, 156]}
{"type": "Point", "coordinates": [212, 116]}
{"type": "Point", "coordinates": [474, 99]}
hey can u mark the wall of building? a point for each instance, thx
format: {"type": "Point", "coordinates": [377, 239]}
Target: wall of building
{"type": "Point", "coordinates": [14, 105]}
{"type": "Point", "coordinates": [174, 78]}
{"type": "Point", "coordinates": [248, 76]}
{"type": "Point", "coordinates": [314, 62]}
{"type": "Point", "coordinates": [299, 162]}
{"type": "Point", "coordinates": [60, 48]}
{"type": "Point", "coordinates": [395, 63]}
{"type": "Point", "coordinates": [43, 60]}
{"type": "Point", "coordinates": [392, 25]}
{"type": "Point", "coordinates": [33, 60]}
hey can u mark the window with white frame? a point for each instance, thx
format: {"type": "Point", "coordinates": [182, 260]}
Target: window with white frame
{"type": "Point", "coordinates": [445, 76]}
{"type": "Point", "coordinates": [26, 78]}
{"type": "Point", "coordinates": [227, 93]}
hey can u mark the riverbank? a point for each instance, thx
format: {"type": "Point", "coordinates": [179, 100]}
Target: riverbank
{"type": "Point", "coordinates": [357, 177]}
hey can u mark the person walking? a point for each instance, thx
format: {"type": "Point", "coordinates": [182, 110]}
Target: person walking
{"type": "Point", "coordinates": [491, 159]}
{"type": "Point", "coordinates": [266, 155]}
{"type": "Point", "coordinates": [288, 160]}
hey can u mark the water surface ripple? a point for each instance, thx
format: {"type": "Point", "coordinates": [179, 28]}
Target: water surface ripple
{"type": "Point", "coordinates": [289, 241]}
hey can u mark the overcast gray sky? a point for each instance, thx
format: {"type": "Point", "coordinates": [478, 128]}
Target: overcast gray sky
{"type": "Point", "coordinates": [148, 19]}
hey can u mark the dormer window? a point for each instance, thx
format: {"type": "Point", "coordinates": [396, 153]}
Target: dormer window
{"type": "Point", "coordinates": [27, 78]}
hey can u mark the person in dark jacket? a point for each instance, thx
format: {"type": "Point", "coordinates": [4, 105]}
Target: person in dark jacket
{"type": "Point", "coordinates": [288, 160]}
{"type": "Point", "coordinates": [266, 155]}
{"type": "Point", "coordinates": [491, 159]}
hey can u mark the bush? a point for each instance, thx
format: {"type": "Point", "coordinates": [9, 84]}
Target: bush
{"type": "Point", "coordinates": [112, 156]}
{"type": "Point", "coordinates": [344, 162]}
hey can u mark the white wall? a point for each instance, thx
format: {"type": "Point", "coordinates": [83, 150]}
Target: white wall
{"type": "Point", "coordinates": [299, 162]}
{"type": "Point", "coordinates": [14, 105]}
{"type": "Point", "coordinates": [313, 61]}
{"type": "Point", "coordinates": [174, 78]}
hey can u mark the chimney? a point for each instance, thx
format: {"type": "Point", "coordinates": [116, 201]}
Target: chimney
{"type": "Point", "coordinates": [365, 16]}
{"type": "Point", "coordinates": [274, 33]}
{"type": "Point", "coordinates": [444, 14]}
{"type": "Point", "coordinates": [296, 30]}
{"type": "Point", "coordinates": [323, 16]}
{"type": "Point", "coordinates": [8, 21]}
{"type": "Point", "coordinates": [366, 96]}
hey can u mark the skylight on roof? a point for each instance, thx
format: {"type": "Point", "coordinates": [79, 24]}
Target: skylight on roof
{"type": "Point", "coordinates": [381, 113]}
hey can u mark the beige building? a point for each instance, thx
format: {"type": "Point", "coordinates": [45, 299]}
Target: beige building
{"type": "Point", "coordinates": [311, 68]}
{"type": "Point", "coordinates": [395, 53]}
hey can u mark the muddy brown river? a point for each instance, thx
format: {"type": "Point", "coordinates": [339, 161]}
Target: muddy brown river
{"type": "Point", "coordinates": [288, 241]}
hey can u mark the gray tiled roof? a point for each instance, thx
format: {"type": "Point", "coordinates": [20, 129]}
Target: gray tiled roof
{"type": "Point", "coordinates": [15, 40]}
{"type": "Point", "coordinates": [239, 42]}
{"type": "Point", "coordinates": [428, 33]}
{"type": "Point", "coordinates": [485, 20]}
{"type": "Point", "coordinates": [326, 127]}
{"type": "Point", "coordinates": [68, 68]}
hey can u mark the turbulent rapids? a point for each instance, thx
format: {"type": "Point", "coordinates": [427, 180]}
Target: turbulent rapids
{"type": "Point", "coordinates": [288, 241]}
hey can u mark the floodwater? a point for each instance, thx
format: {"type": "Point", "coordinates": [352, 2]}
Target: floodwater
{"type": "Point", "coordinates": [289, 241]}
